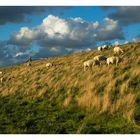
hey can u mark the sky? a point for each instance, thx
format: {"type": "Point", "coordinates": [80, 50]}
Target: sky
{"type": "Point", "coordinates": [41, 32]}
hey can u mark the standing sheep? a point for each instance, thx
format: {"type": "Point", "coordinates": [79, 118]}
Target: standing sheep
{"type": "Point", "coordinates": [113, 60]}
{"type": "Point", "coordinates": [49, 64]}
{"type": "Point", "coordinates": [118, 50]}
{"type": "Point", "coordinates": [100, 58]}
{"type": "Point", "coordinates": [105, 47]}
{"type": "Point", "coordinates": [90, 63]}
{"type": "Point", "coordinates": [0, 72]}
{"type": "Point", "coordinates": [100, 48]}
{"type": "Point", "coordinates": [28, 63]}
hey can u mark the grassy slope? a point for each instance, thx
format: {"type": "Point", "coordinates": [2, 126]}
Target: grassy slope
{"type": "Point", "coordinates": [65, 99]}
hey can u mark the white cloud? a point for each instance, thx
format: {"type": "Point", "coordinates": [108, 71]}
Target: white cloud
{"type": "Point", "coordinates": [109, 29]}
{"type": "Point", "coordinates": [24, 32]}
{"type": "Point", "coordinates": [71, 32]}
{"type": "Point", "coordinates": [19, 54]}
{"type": "Point", "coordinates": [110, 24]}
{"type": "Point", "coordinates": [26, 53]}
{"type": "Point", "coordinates": [95, 24]}
{"type": "Point", "coordinates": [53, 25]}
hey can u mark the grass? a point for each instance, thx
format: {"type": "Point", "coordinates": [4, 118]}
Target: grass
{"type": "Point", "coordinates": [65, 99]}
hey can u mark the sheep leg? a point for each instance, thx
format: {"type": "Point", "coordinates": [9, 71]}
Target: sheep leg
{"type": "Point", "coordinates": [84, 68]}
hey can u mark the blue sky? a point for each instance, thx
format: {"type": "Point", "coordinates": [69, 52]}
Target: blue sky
{"type": "Point", "coordinates": [24, 34]}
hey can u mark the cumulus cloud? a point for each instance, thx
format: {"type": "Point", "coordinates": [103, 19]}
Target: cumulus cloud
{"type": "Point", "coordinates": [126, 15]}
{"type": "Point", "coordinates": [109, 30]}
{"type": "Point", "coordinates": [67, 33]}
{"type": "Point", "coordinates": [19, 54]}
{"type": "Point", "coordinates": [22, 38]}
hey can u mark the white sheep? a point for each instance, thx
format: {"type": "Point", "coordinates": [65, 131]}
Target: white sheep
{"type": "Point", "coordinates": [105, 47]}
{"type": "Point", "coordinates": [28, 63]}
{"type": "Point", "coordinates": [90, 63]}
{"type": "Point", "coordinates": [118, 50]}
{"type": "Point", "coordinates": [100, 48]}
{"type": "Point", "coordinates": [100, 58]}
{"type": "Point", "coordinates": [113, 60]}
{"type": "Point", "coordinates": [49, 64]}
{"type": "Point", "coordinates": [1, 72]}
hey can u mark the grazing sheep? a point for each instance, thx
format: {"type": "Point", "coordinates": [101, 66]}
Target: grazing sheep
{"type": "Point", "coordinates": [118, 50]}
{"type": "Point", "coordinates": [96, 62]}
{"type": "Point", "coordinates": [0, 72]}
{"type": "Point", "coordinates": [100, 58]}
{"type": "Point", "coordinates": [100, 48]}
{"type": "Point", "coordinates": [113, 60]}
{"type": "Point", "coordinates": [49, 64]}
{"type": "Point", "coordinates": [90, 63]}
{"type": "Point", "coordinates": [28, 63]}
{"type": "Point", "coordinates": [105, 47]}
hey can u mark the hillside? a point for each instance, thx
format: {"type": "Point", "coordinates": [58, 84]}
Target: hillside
{"type": "Point", "coordinates": [65, 99]}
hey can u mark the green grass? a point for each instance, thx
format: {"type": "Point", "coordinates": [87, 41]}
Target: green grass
{"type": "Point", "coordinates": [42, 116]}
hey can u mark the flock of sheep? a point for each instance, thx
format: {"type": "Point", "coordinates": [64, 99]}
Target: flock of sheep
{"type": "Point", "coordinates": [97, 60]}
{"type": "Point", "coordinates": [100, 58]}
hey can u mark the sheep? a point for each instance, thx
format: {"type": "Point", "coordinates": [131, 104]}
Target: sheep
{"type": "Point", "coordinates": [96, 62]}
{"type": "Point", "coordinates": [117, 50]}
{"type": "Point", "coordinates": [113, 60]}
{"type": "Point", "coordinates": [28, 63]}
{"type": "Point", "coordinates": [49, 64]}
{"type": "Point", "coordinates": [90, 63]}
{"type": "Point", "coordinates": [1, 72]}
{"type": "Point", "coordinates": [105, 47]}
{"type": "Point", "coordinates": [100, 58]}
{"type": "Point", "coordinates": [100, 48]}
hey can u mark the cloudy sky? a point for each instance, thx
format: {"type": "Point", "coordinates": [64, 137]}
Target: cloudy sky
{"type": "Point", "coordinates": [53, 31]}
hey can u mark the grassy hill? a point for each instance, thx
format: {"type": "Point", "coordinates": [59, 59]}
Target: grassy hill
{"type": "Point", "coordinates": [65, 99]}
